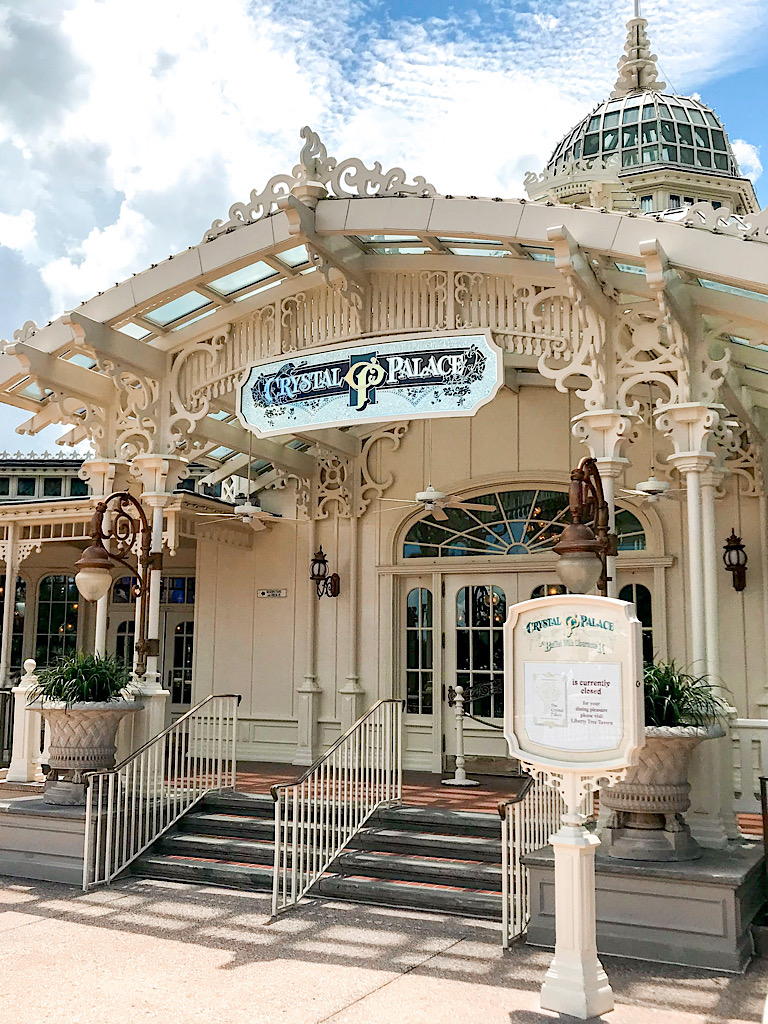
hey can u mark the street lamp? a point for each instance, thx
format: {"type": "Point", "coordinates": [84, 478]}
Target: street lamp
{"type": "Point", "coordinates": [735, 559]}
{"type": "Point", "coordinates": [127, 524]}
{"type": "Point", "coordinates": [583, 550]}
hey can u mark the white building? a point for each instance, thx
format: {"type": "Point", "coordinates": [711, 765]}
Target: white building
{"type": "Point", "coordinates": [628, 295]}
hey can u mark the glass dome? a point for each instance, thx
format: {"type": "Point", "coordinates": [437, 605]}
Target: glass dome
{"type": "Point", "coordinates": [646, 129]}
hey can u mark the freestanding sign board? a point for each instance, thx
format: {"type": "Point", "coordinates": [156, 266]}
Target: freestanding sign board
{"type": "Point", "coordinates": [573, 700]}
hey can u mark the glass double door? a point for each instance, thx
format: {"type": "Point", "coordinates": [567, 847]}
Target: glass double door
{"type": "Point", "coordinates": [475, 609]}
{"type": "Point", "coordinates": [176, 649]}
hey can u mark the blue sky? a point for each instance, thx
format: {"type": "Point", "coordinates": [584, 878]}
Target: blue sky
{"type": "Point", "coordinates": [125, 129]}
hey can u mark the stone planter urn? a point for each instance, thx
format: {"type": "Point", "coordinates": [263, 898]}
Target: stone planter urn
{"type": "Point", "coordinates": [645, 811]}
{"type": "Point", "coordinates": [82, 738]}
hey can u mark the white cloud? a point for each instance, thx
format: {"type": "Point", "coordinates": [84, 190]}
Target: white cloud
{"type": "Point", "coordinates": [748, 157]}
{"type": "Point", "coordinates": [144, 122]}
{"type": "Point", "coordinates": [18, 231]}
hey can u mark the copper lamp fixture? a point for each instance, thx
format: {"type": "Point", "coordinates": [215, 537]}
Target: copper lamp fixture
{"type": "Point", "coordinates": [586, 542]}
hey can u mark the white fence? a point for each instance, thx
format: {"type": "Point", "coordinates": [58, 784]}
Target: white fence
{"type": "Point", "coordinates": [751, 756]}
{"type": "Point", "coordinates": [130, 806]}
{"type": "Point", "coordinates": [527, 822]}
{"type": "Point", "coordinates": [318, 815]}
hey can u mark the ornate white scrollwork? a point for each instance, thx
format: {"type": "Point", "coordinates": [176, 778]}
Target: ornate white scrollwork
{"type": "Point", "coordinates": [348, 179]}
{"type": "Point", "coordinates": [745, 462]}
{"type": "Point", "coordinates": [370, 487]}
{"type": "Point", "coordinates": [334, 486]}
{"type": "Point", "coordinates": [571, 785]}
{"type": "Point", "coordinates": [190, 402]}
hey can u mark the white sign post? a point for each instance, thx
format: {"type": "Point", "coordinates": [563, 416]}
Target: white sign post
{"type": "Point", "coordinates": [574, 715]}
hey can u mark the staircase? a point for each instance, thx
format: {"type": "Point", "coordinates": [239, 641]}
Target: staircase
{"type": "Point", "coordinates": [423, 858]}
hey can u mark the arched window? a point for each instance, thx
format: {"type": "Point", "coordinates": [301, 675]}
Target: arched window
{"type": "Point", "coordinates": [520, 522]}
{"type": "Point", "coordinates": [57, 608]}
{"type": "Point", "coordinates": [17, 636]}
{"type": "Point", "coordinates": [640, 596]}
{"type": "Point", "coordinates": [418, 651]}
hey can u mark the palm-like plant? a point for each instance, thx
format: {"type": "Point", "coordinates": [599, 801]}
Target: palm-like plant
{"type": "Point", "coordinates": [675, 697]}
{"type": "Point", "coordinates": [82, 678]}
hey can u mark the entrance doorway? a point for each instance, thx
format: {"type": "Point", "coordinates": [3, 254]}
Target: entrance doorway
{"type": "Point", "coordinates": [453, 634]}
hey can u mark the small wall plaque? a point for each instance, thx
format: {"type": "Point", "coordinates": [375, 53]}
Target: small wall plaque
{"type": "Point", "coordinates": [271, 593]}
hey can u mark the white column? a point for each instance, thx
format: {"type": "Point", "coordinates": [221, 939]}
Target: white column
{"type": "Point", "coordinates": [307, 695]}
{"type": "Point", "coordinates": [713, 777]}
{"type": "Point", "coordinates": [691, 467]}
{"type": "Point", "coordinates": [763, 506]}
{"type": "Point", "coordinates": [25, 757]}
{"type": "Point", "coordinates": [608, 479]}
{"type": "Point", "coordinates": [9, 604]}
{"type": "Point", "coordinates": [351, 693]}
{"type": "Point", "coordinates": [100, 638]}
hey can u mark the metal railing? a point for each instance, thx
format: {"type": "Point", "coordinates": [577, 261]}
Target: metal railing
{"type": "Point", "coordinates": [318, 815]}
{"type": "Point", "coordinates": [528, 819]}
{"type": "Point", "coordinates": [7, 702]}
{"type": "Point", "coordinates": [751, 742]}
{"type": "Point", "coordinates": [128, 807]}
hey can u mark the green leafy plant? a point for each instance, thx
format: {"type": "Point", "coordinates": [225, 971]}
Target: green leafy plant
{"type": "Point", "coordinates": [82, 678]}
{"type": "Point", "coordinates": [675, 697]}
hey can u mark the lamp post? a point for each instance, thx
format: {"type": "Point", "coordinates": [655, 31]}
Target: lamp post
{"type": "Point", "coordinates": [586, 543]}
{"type": "Point", "coordinates": [127, 523]}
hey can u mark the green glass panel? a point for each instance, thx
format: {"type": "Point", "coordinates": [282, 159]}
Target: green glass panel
{"type": "Point", "coordinates": [610, 140]}
{"type": "Point", "coordinates": [651, 132]}
{"type": "Point", "coordinates": [461, 607]}
{"type": "Point", "coordinates": [462, 649]}
{"type": "Point", "coordinates": [629, 136]}
{"type": "Point", "coordinates": [611, 120]}
{"type": "Point", "coordinates": [481, 649]}
{"type": "Point", "coordinates": [685, 134]}
{"type": "Point", "coordinates": [426, 693]}
{"type": "Point", "coordinates": [412, 608]}
{"type": "Point", "coordinates": [426, 608]}
{"type": "Point", "coordinates": [412, 649]}
{"type": "Point", "coordinates": [668, 132]}
{"type": "Point", "coordinates": [412, 693]}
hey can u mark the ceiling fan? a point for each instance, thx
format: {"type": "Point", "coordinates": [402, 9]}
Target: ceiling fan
{"type": "Point", "coordinates": [653, 488]}
{"type": "Point", "coordinates": [248, 512]}
{"type": "Point", "coordinates": [435, 502]}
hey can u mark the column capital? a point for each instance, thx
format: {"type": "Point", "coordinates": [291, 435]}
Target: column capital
{"type": "Point", "coordinates": [104, 476]}
{"type": "Point", "coordinates": [158, 474]}
{"type": "Point", "coordinates": [692, 462]}
{"type": "Point", "coordinates": [605, 432]}
{"type": "Point", "coordinates": [714, 475]}
{"type": "Point", "coordinates": [690, 425]}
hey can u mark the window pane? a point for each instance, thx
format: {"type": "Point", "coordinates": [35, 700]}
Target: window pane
{"type": "Point", "coordinates": [685, 134]}
{"type": "Point", "coordinates": [591, 145]}
{"type": "Point", "coordinates": [686, 155]}
{"type": "Point", "coordinates": [630, 116]}
{"type": "Point", "coordinates": [629, 136]}
{"type": "Point", "coordinates": [610, 140]}
{"type": "Point", "coordinates": [703, 158]}
{"type": "Point", "coordinates": [701, 136]}
{"type": "Point", "coordinates": [629, 158]}
{"type": "Point", "coordinates": [668, 132]}
{"type": "Point", "coordinates": [611, 120]}
{"type": "Point", "coordinates": [649, 112]}
{"type": "Point", "coordinates": [426, 608]}
{"type": "Point", "coordinates": [696, 116]}
{"type": "Point", "coordinates": [5, 483]}
{"type": "Point", "coordinates": [718, 139]}
{"type": "Point", "coordinates": [651, 132]}
{"type": "Point", "coordinates": [679, 113]}
{"type": "Point", "coordinates": [52, 486]}
{"type": "Point", "coordinates": [650, 154]}
{"type": "Point", "coordinates": [412, 649]}
{"type": "Point", "coordinates": [412, 608]}
{"type": "Point", "coordinates": [669, 154]}
{"type": "Point", "coordinates": [25, 486]}
{"type": "Point", "coordinates": [721, 161]}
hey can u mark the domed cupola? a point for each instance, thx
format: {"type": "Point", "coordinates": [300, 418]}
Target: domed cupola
{"type": "Point", "coordinates": [661, 150]}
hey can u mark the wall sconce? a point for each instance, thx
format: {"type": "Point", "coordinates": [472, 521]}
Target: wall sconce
{"type": "Point", "coordinates": [327, 586]}
{"type": "Point", "coordinates": [735, 559]}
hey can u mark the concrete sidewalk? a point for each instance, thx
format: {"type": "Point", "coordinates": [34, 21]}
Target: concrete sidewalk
{"type": "Point", "coordinates": [180, 954]}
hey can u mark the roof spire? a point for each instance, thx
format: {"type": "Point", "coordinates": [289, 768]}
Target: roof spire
{"type": "Point", "coordinates": [637, 68]}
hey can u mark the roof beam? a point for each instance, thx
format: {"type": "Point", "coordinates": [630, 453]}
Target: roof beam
{"type": "Point", "coordinates": [115, 345]}
{"type": "Point", "coordinates": [337, 441]}
{"type": "Point", "coordinates": [669, 288]}
{"type": "Point", "coordinates": [230, 435]}
{"type": "Point", "coordinates": [335, 251]}
{"type": "Point", "coordinates": [63, 376]}
{"type": "Point", "coordinates": [575, 268]}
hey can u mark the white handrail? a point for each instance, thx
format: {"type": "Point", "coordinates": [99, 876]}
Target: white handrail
{"type": "Point", "coordinates": [318, 815]}
{"type": "Point", "coordinates": [528, 819]}
{"type": "Point", "coordinates": [128, 807]}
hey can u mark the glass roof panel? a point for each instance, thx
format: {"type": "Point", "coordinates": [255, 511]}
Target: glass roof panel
{"type": "Point", "coordinates": [372, 239]}
{"type": "Point", "coordinates": [469, 241]}
{"type": "Point", "coordinates": [134, 331]}
{"type": "Point", "coordinates": [242, 278]}
{"type": "Point", "coordinates": [478, 251]}
{"type": "Point", "coordinates": [80, 359]}
{"type": "Point", "coordinates": [257, 291]}
{"type": "Point", "coordinates": [403, 250]}
{"type": "Point", "coordinates": [629, 268]}
{"type": "Point", "coordinates": [744, 293]}
{"type": "Point", "coordinates": [294, 257]}
{"type": "Point", "coordinates": [220, 453]}
{"type": "Point", "coordinates": [177, 308]}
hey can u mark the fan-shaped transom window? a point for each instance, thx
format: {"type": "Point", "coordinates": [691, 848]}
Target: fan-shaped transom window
{"type": "Point", "coordinates": [524, 522]}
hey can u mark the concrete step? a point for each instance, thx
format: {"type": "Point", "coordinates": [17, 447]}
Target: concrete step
{"type": "Point", "coordinates": [204, 872]}
{"type": "Point", "coordinates": [253, 805]}
{"type": "Point", "coordinates": [428, 844]}
{"type": "Point", "coordinates": [438, 819]}
{"type": "Point", "coordinates": [459, 873]}
{"type": "Point", "coordinates": [222, 848]}
{"type": "Point", "coordinates": [413, 896]}
{"type": "Point", "coordinates": [238, 826]}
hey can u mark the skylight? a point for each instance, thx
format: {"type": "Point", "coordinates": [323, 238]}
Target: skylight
{"type": "Point", "coordinates": [402, 250]}
{"type": "Point", "coordinates": [294, 257]}
{"type": "Point", "coordinates": [743, 293]}
{"type": "Point", "coordinates": [478, 251]}
{"type": "Point", "coordinates": [134, 331]}
{"type": "Point", "coordinates": [543, 255]}
{"type": "Point", "coordinates": [469, 241]}
{"type": "Point", "coordinates": [377, 239]}
{"type": "Point", "coordinates": [630, 268]}
{"type": "Point", "coordinates": [176, 308]}
{"type": "Point", "coordinates": [242, 278]}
